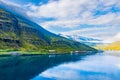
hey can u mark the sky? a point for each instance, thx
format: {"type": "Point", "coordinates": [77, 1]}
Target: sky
{"type": "Point", "coordinates": [89, 18]}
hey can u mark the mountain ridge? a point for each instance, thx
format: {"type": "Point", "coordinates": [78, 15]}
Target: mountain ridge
{"type": "Point", "coordinates": [18, 33]}
{"type": "Point", "coordinates": [86, 40]}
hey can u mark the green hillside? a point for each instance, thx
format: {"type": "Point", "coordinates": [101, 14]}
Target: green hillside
{"type": "Point", "coordinates": [20, 34]}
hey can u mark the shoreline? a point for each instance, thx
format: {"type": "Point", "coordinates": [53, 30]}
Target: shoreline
{"type": "Point", "coordinates": [15, 53]}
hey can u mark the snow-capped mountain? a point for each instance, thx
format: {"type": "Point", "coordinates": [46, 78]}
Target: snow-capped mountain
{"type": "Point", "coordinates": [85, 40]}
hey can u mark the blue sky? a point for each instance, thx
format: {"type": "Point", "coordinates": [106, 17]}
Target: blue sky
{"type": "Point", "coordinates": [28, 1]}
{"type": "Point", "coordinates": [89, 18]}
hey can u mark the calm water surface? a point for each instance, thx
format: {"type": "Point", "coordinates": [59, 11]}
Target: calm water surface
{"type": "Point", "coordinates": [60, 67]}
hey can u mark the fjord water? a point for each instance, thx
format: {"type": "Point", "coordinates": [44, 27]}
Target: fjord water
{"type": "Point", "coordinates": [99, 66]}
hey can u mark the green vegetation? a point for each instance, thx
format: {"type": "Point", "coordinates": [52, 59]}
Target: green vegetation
{"type": "Point", "coordinates": [24, 36]}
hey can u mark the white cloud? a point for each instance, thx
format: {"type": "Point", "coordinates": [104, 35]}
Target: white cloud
{"type": "Point", "coordinates": [87, 68]}
{"type": "Point", "coordinates": [108, 19]}
{"type": "Point", "coordinates": [104, 19]}
{"type": "Point", "coordinates": [58, 9]}
{"type": "Point", "coordinates": [62, 23]}
{"type": "Point", "coordinates": [105, 33]}
{"type": "Point", "coordinates": [73, 14]}
{"type": "Point", "coordinates": [115, 38]}
{"type": "Point", "coordinates": [14, 7]}
{"type": "Point", "coordinates": [10, 3]}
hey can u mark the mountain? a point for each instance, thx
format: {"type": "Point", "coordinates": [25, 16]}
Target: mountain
{"type": "Point", "coordinates": [14, 9]}
{"type": "Point", "coordinates": [20, 34]}
{"type": "Point", "coordinates": [111, 46]}
{"type": "Point", "coordinates": [85, 40]}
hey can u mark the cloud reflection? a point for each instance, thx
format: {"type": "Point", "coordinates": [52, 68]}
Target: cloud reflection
{"type": "Point", "coordinates": [97, 67]}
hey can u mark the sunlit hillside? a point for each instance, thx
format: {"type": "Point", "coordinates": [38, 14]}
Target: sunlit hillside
{"type": "Point", "coordinates": [112, 46]}
{"type": "Point", "coordinates": [20, 34]}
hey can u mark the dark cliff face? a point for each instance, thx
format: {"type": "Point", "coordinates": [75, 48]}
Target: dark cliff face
{"type": "Point", "coordinates": [21, 34]}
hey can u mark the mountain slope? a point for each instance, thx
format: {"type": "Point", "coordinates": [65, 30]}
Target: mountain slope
{"type": "Point", "coordinates": [112, 46]}
{"type": "Point", "coordinates": [17, 33]}
{"type": "Point", "coordinates": [88, 41]}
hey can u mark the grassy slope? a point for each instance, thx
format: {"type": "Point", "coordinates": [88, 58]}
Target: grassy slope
{"type": "Point", "coordinates": [19, 34]}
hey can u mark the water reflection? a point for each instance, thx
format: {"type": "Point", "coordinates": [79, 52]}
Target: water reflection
{"type": "Point", "coordinates": [95, 67]}
{"type": "Point", "coordinates": [27, 67]}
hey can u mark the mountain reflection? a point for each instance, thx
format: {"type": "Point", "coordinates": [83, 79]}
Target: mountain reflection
{"type": "Point", "coordinates": [95, 67]}
{"type": "Point", "coordinates": [27, 67]}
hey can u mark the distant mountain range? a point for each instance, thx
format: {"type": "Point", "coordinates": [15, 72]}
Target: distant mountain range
{"type": "Point", "coordinates": [88, 41]}
{"type": "Point", "coordinates": [96, 43]}
{"type": "Point", "coordinates": [20, 34]}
